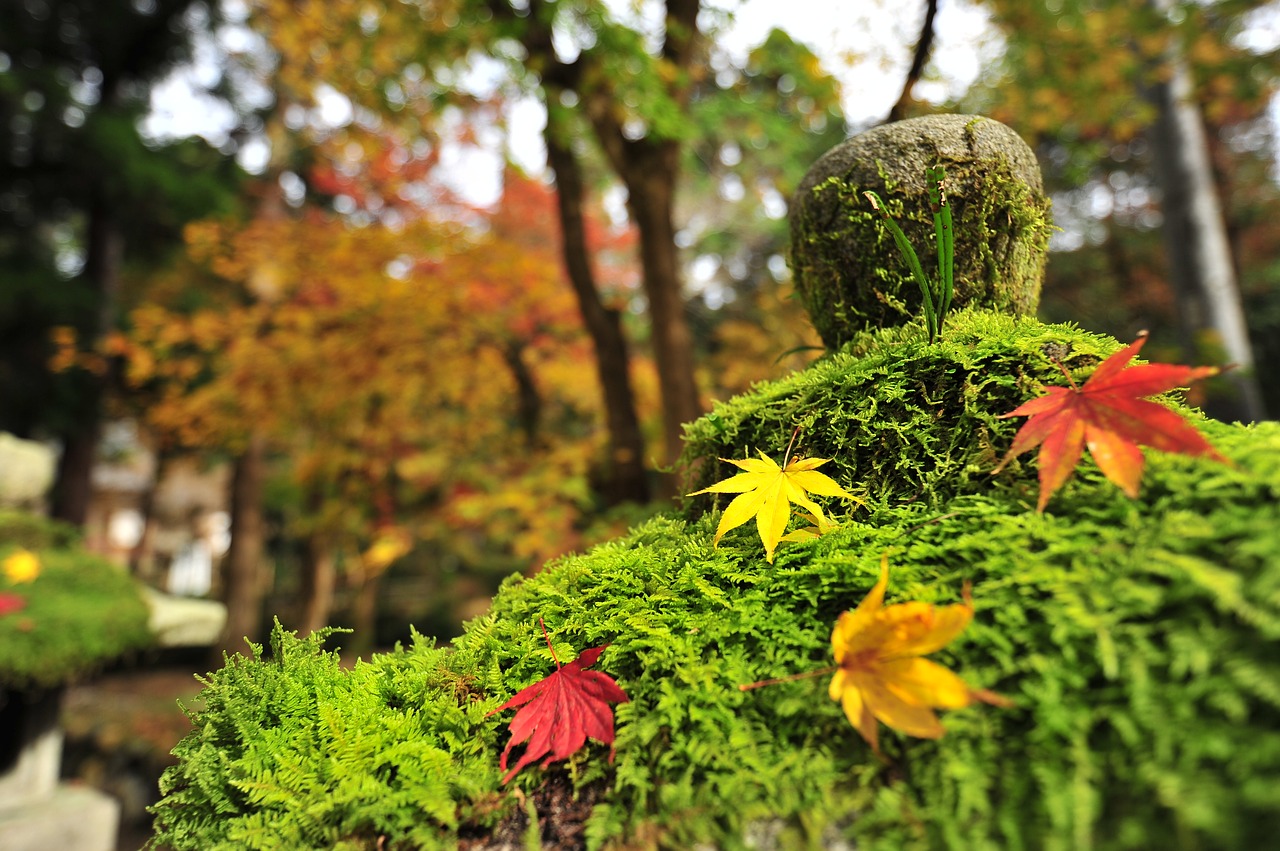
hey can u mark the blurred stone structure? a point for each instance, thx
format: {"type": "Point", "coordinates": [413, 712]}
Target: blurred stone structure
{"type": "Point", "coordinates": [26, 472]}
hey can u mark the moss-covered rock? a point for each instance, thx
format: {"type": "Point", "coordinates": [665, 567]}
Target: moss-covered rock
{"type": "Point", "coordinates": [902, 420]}
{"type": "Point", "coordinates": [79, 613]}
{"type": "Point", "coordinates": [1137, 637]}
{"type": "Point", "coordinates": [849, 272]}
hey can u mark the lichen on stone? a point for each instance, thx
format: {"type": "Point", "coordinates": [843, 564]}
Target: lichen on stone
{"type": "Point", "coordinates": [848, 270]}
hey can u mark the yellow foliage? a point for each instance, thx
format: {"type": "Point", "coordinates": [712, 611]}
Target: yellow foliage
{"type": "Point", "coordinates": [766, 492]}
{"type": "Point", "coordinates": [881, 675]}
{"type": "Point", "coordinates": [21, 567]}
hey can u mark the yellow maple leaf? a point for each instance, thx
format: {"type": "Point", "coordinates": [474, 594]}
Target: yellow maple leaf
{"type": "Point", "coordinates": [766, 492]}
{"type": "Point", "coordinates": [21, 567]}
{"type": "Point", "coordinates": [880, 674]}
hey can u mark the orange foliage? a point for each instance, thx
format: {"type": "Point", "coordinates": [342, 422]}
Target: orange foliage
{"type": "Point", "coordinates": [425, 369]}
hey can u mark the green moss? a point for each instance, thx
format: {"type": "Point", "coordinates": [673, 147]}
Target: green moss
{"type": "Point", "coordinates": [33, 532]}
{"type": "Point", "coordinates": [293, 752]}
{"type": "Point", "coordinates": [1137, 637]}
{"type": "Point", "coordinates": [80, 612]}
{"type": "Point", "coordinates": [849, 272]}
{"type": "Point", "coordinates": [902, 420]}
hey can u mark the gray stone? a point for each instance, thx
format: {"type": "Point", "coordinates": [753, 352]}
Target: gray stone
{"type": "Point", "coordinates": [183, 621]}
{"type": "Point", "coordinates": [26, 471]}
{"type": "Point", "coordinates": [849, 272]}
{"type": "Point", "coordinates": [72, 818]}
{"type": "Point", "coordinates": [34, 739]}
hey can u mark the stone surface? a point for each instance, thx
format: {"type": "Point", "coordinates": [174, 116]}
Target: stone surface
{"type": "Point", "coordinates": [30, 746]}
{"type": "Point", "coordinates": [26, 471]}
{"type": "Point", "coordinates": [849, 272]}
{"type": "Point", "coordinates": [72, 818]}
{"type": "Point", "coordinates": [184, 622]}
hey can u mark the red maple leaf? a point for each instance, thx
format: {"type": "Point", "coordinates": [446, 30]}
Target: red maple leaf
{"type": "Point", "coordinates": [11, 602]}
{"type": "Point", "coordinates": [1110, 416]}
{"type": "Point", "coordinates": [562, 710]}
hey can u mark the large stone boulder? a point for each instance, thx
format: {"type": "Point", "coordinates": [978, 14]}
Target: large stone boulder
{"type": "Point", "coordinates": [849, 272]}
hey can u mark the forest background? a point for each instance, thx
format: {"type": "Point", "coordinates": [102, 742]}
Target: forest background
{"type": "Point", "coordinates": [423, 379]}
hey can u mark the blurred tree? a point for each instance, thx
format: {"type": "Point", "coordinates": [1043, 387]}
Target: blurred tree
{"type": "Point", "coordinates": [629, 82]}
{"type": "Point", "coordinates": [1111, 93]}
{"type": "Point", "coordinates": [919, 59]}
{"type": "Point", "coordinates": [757, 130]}
{"type": "Point", "coordinates": [74, 81]}
{"type": "Point", "coordinates": [422, 380]}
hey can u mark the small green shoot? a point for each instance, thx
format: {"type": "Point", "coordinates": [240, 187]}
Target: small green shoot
{"type": "Point", "coordinates": [936, 296]}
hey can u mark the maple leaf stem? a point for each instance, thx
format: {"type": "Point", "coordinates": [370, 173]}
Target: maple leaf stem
{"type": "Point", "coordinates": [1070, 380]}
{"type": "Point", "coordinates": [787, 679]}
{"type": "Point", "coordinates": [547, 639]}
{"type": "Point", "coordinates": [786, 456]}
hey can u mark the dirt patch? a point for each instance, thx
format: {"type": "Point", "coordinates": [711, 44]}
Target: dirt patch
{"type": "Point", "coordinates": [561, 816]}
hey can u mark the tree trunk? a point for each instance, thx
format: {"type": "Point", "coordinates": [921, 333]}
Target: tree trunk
{"type": "Point", "coordinates": [318, 580]}
{"type": "Point", "coordinates": [650, 176]}
{"type": "Point", "coordinates": [318, 574]}
{"type": "Point", "coordinates": [649, 166]}
{"type": "Point", "coordinates": [364, 616]}
{"type": "Point", "coordinates": [528, 401]}
{"type": "Point", "coordinates": [625, 479]}
{"type": "Point", "coordinates": [242, 590]}
{"type": "Point", "coordinates": [104, 253]}
{"type": "Point", "coordinates": [1200, 265]}
{"type": "Point", "coordinates": [142, 557]}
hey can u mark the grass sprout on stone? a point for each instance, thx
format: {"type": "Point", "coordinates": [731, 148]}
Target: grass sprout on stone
{"type": "Point", "coordinates": [936, 295]}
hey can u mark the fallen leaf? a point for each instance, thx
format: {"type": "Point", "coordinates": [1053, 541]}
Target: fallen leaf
{"type": "Point", "coordinates": [766, 492]}
{"type": "Point", "coordinates": [560, 711]}
{"type": "Point", "coordinates": [1110, 416]}
{"type": "Point", "coordinates": [880, 674]}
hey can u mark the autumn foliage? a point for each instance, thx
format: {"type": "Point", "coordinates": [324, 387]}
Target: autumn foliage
{"type": "Point", "coordinates": [1110, 416]}
{"type": "Point", "coordinates": [767, 491]}
{"type": "Point", "coordinates": [561, 711]}
{"type": "Point", "coordinates": [428, 364]}
{"type": "Point", "coordinates": [881, 675]}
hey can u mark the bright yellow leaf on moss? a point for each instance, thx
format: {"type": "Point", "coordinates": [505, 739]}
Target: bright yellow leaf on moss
{"type": "Point", "coordinates": [766, 492]}
{"type": "Point", "coordinates": [21, 567]}
{"type": "Point", "coordinates": [881, 675]}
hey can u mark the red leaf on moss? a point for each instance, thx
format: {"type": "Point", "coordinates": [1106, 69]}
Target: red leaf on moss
{"type": "Point", "coordinates": [10, 603]}
{"type": "Point", "coordinates": [560, 711]}
{"type": "Point", "coordinates": [1110, 416]}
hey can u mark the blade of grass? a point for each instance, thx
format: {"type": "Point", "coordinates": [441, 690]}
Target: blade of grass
{"type": "Point", "coordinates": [945, 240]}
{"type": "Point", "coordinates": [913, 262]}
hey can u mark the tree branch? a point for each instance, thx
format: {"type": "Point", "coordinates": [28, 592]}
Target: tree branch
{"type": "Point", "coordinates": [924, 47]}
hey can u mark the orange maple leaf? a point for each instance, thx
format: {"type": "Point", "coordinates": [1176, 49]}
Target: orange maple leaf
{"type": "Point", "coordinates": [562, 710]}
{"type": "Point", "coordinates": [1110, 416]}
{"type": "Point", "coordinates": [880, 675]}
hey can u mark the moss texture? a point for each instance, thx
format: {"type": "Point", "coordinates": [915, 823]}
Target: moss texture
{"type": "Point", "coordinates": [80, 613]}
{"type": "Point", "coordinates": [1137, 637]}
{"type": "Point", "coordinates": [848, 271]}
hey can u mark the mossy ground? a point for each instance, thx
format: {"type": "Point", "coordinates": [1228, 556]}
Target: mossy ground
{"type": "Point", "coordinates": [1137, 637]}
